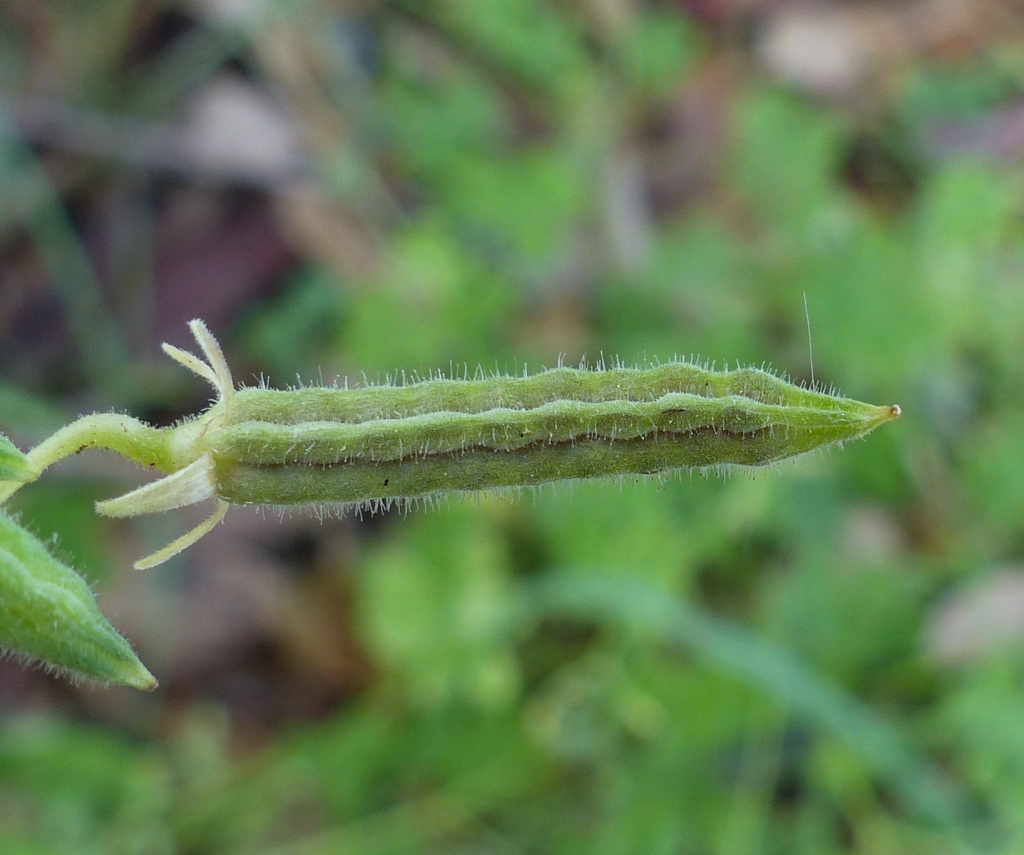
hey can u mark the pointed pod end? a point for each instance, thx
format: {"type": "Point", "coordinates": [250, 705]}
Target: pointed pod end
{"type": "Point", "coordinates": [110, 660]}
{"type": "Point", "coordinates": [138, 678]}
{"type": "Point", "coordinates": [881, 415]}
{"type": "Point", "coordinates": [890, 413]}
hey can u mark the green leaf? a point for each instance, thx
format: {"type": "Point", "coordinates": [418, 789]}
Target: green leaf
{"type": "Point", "coordinates": [14, 466]}
{"type": "Point", "coordinates": [734, 650]}
{"type": "Point", "coordinates": [48, 613]}
{"type": "Point", "coordinates": [659, 50]}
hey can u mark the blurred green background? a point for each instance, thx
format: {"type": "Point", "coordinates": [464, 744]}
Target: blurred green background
{"type": "Point", "coordinates": [824, 658]}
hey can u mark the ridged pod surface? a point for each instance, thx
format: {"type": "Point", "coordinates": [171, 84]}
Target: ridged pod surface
{"type": "Point", "coordinates": [376, 445]}
{"type": "Point", "coordinates": [386, 443]}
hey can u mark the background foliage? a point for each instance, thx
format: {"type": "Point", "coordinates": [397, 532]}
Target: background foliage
{"type": "Point", "coordinates": [824, 658]}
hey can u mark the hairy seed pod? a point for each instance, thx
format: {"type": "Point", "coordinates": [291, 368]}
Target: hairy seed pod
{"type": "Point", "coordinates": [483, 448]}
{"type": "Point", "coordinates": [49, 613]}
{"type": "Point", "coordinates": [373, 446]}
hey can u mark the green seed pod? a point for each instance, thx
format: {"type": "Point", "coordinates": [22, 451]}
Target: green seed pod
{"type": "Point", "coordinates": [47, 612]}
{"type": "Point", "coordinates": [374, 446]}
{"type": "Point", "coordinates": [386, 459]}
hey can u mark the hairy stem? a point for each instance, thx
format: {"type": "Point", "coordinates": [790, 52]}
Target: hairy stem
{"type": "Point", "coordinates": [162, 449]}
